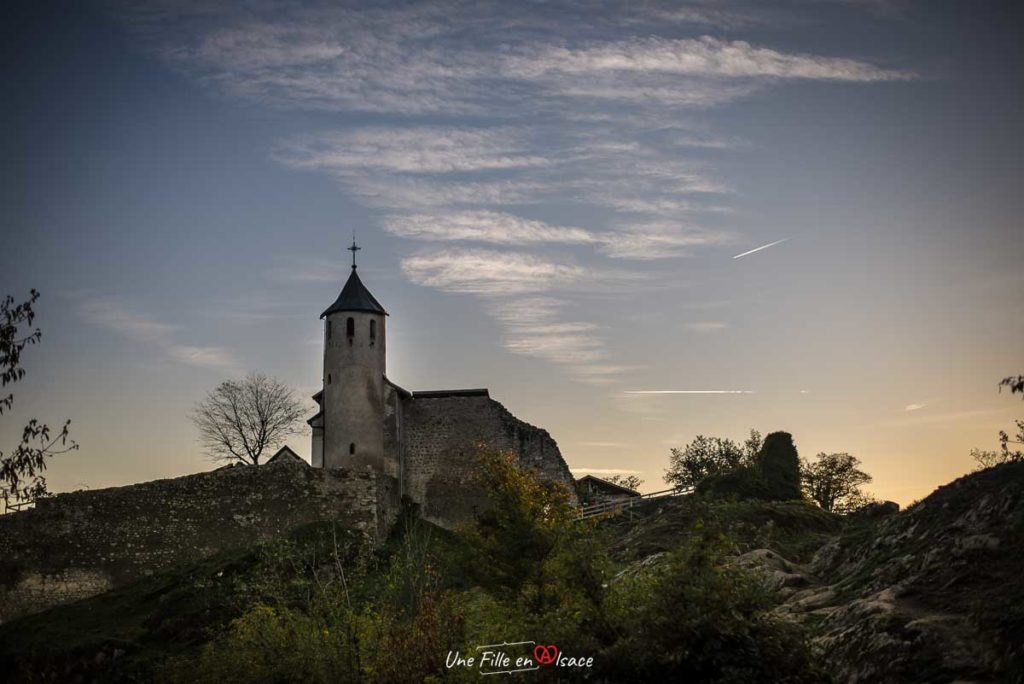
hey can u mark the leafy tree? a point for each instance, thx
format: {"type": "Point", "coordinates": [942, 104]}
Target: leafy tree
{"type": "Point", "coordinates": [21, 470]}
{"type": "Point", "coordinates": [240, 420]}
{"type": "Point", "coordinates": [779, 466]}
{"type": "Point", "coordinates": [528, 519]}
{"type": "Point", "coordinates": [628, 481]}
{"type": "Point", "coordinates": [707, 456]}
{"type": "Point", "coordinates": [833, 481]}
{"type": "Point", "coordinates": [752, 446]}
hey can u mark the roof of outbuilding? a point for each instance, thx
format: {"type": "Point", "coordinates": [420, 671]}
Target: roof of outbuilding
{"type": "Point", "coordinates": [286, 454]}
{"type": "Point", "coordinates": [355, 297]}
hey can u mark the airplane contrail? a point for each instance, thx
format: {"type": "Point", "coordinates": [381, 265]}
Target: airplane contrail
{"type": "Point", "coordinates": [758, 249]}
{"type": "Point", "coordinates": [688, 392]}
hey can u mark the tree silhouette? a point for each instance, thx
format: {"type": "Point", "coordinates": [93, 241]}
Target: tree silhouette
{"type": "Point", "coordinates": [833, 481]}
{"type": "Point", "coordinates": [987, 459]}
{"type": "Point", "coordinates": [21, 470]}
{"type": "Point", "coordinates": [242, 419]}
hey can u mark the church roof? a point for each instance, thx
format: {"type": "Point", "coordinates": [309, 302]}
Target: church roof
{"type": "Point", "coordinates": [444, 394]}
{"type": "Point", "coordinates": [355, 297]}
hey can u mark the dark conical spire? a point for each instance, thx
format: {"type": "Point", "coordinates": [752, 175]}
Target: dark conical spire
{"type": "Point", "coordinates": [354, 296]}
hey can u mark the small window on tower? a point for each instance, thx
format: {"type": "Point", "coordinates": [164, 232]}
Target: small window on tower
{"type": "Point", "coordinates": [328, 378]}
{"type": "Point", "coordinates": [373, 332]}
{"type": "Point", "coordinates": [352, 448]}
{"type": "Point", "coordinates": [350, 327]}
{"type": "Point", "coordinates": [328, 330]}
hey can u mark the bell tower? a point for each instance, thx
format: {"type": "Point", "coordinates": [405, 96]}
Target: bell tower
{"type": "Point", "coordinates": [351, 421]}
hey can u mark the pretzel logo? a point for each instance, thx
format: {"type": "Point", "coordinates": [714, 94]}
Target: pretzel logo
{"type": "Point", "coordinates": [545, 655]}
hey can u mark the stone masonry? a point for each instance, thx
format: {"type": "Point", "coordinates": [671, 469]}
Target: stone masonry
{"type": "Point", "coordinates": [82, 543]}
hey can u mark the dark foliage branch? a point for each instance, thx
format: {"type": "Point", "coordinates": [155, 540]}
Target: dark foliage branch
{"type": "Point", "coordinates": [628, 481]}
{"type": "Point", "coordinates": [988, 459]}
{"type": "Point", "coordinates": [1016, 384]}
{"type": "Point", "coordinates": [21, 470]}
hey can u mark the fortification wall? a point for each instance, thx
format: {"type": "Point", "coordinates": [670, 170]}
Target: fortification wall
{"type": "Point", "coordinates": [441, 434]}
{"type": "Point", "coordinates": [83, 543]}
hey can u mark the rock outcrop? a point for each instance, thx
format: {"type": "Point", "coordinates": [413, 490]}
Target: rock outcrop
{"type": "Point", "coordinates": [935, 593]}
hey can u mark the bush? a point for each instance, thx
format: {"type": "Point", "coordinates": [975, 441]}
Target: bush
{"type": "Point", "coordinates": [742, 483]}
{"type": "Point", "coordinates": [693, 617]}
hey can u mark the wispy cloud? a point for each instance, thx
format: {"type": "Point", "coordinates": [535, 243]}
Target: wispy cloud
{"type": "Point", "coordinates": [486, 117]}
{"type": "Point", "coordinates": [914, 407]}
{"type": "Point", "coordinates": [604, 471]}
{"type": "Point", "coordinates": [688, 392]}
{"type": "Point", "coordinates": [631, 241]}
{"type": "Point", "coordinates": [604, 445]}
{"type": "Point", "coordinates": [484, 226]}
{"type": "Point", "coordinates": [480, 271]}
{"type": "Point", "coordinates": [705, 56]}
{"type": "Point", "coordinates": [758, 249]}
{"type": "Point", "coordinates": [208, 357]}
{"type": "Point", "coordinates": [112, 315]}
{"type": "Point", "coordinates": [707, 326]}
{"type": "Point", "coordinates": [535, 326]}
{"type": "Point", "coordinates": [410, 150]}
{"type": "Point", "coordinates": [466, 57]}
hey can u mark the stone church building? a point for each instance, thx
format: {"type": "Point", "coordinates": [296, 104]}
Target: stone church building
{"type": "Point", "coordinates": [425, 440]}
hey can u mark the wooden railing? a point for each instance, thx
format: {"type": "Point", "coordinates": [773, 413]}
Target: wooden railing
{"type": "Point", "coordinates": [15, 507]}
{"type": "Point", "coordinates": [617, 506]}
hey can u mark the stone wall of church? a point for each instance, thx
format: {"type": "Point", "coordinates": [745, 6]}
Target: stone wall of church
{"type": "Point", "coordinates": [79, 544]}
{"type": "Point", "coordinates": [441, 434]}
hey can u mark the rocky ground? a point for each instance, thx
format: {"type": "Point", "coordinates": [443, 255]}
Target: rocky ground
{"type": "Point", "coordinates": [934, 593]}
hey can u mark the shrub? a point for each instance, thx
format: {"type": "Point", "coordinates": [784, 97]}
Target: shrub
{"type": "Point", "coordinates": [742, 483]}
{"type": "Point", "coordinates": [693, 617]}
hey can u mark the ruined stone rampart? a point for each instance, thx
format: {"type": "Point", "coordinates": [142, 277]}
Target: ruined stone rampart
{"type": "Point", "coordinates": [441, 434]}
{"type": "Point", "coordinates": [82, 543]}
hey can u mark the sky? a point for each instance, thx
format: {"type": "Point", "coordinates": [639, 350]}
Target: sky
{"type": "Point", "coordinates": [633, 222]}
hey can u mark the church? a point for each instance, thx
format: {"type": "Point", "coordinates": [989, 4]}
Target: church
{"type": "Point", "coordinates": [425, 440]}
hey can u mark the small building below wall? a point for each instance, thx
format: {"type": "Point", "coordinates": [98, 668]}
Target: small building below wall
{"type": "Point", "coordinates": [592, 490]}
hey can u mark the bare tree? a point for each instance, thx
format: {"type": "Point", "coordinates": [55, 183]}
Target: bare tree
{"type": "Point", "coordinates": [21, 477]}
{"type": "Point", "coordinates": [240, 420]}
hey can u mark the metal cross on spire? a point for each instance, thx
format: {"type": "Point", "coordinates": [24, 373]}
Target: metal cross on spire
{"type": "Point", "coordinates": [354, 248]}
